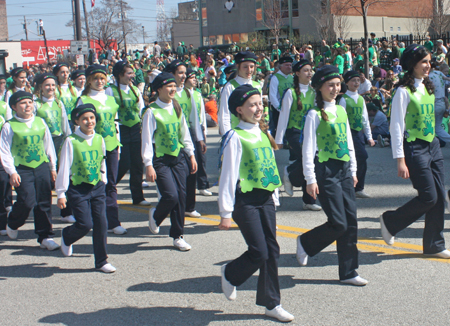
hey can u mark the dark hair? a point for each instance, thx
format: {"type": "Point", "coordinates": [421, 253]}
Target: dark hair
{"type": "Point", "coordinates": [297, 91]}
{"type": "Point", "coordinates": [408, 78]}
{"type": "Point", "coordinates": [117, 77]}
{"type": "Point", "coordinates": [320, 103]}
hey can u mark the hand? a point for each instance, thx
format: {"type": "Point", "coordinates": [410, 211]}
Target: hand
{"type": "Point", "coordinates": [371, 142]}
{"type": "Point", "coordinates": [355, 181]}
{"type": "Point", "coordinates": [61, 203]}
{"type": "Point", "coordinates": [150, 174]}
{"type": "Point", "coordinates": [15, 180]}
{"type": "Point", "coordinates": [312, 190]}
{"type": "Point", "coordinates": [403, 171]}
{"type": "Point", "coordinates": [53, 176]}
{"type": "Point", "coordinates": [194, 165]}
{"type": "Point", "coordinates": [203, 146]}
{"type": "Point", "coordinates": [280, 146]}
{"type": "Point", "coordinates": [225, 223]}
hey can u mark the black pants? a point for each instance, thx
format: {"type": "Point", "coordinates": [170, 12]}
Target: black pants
{"type": "Point", "coordinates": [202, 177]}
{"type": "Point", "coordinates": [361, 158]}
{"type": "Point", "coordinates": [89, 210]}
{"type": "Point", "coordinates": [5, 188]}
{"type": "Point", "coordinates": [57, 142]}
{"type": "Point", "coordinates": [171, 174]}
{"type": "Point", "coordinates": [254, 213]}
{"type": "Point", "coordinates": [35, 193]}
{"type": "Point", "coordinates": [426, 171]}
{"type": "Point", "coordinates": [296, 169]}
{"type": "Point", "coordinates": [337, 196]}
{"type": "Point", "coordinates": [131, 159]}
{"type": "Point", "coordinates": [112, 208]}
{"type": "Point", "coordinates": [274, 115]}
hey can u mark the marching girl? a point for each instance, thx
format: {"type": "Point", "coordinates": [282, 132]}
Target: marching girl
{"type": "Point", "coordinates": [131, 103]}
{"type": "Point", "coordinates": [5, 191]}
{"type": "Point", "coordinates": [358, 118]}
{"type": "Point", "coordinates": [246, 65]}
{"type": "Point", "coordinates": [78, 78]}
{"type": "Point", "coordinates": [65, 91]}
{"type": "Point", "coordinates": [331, 174]}
{"type": "Point", "coordinates": [296, 103]}
{"type": "Point", "coordinates": [28, 156]}
{"type": "Point", "coordinates": [106, 108]}
{"type": "Point", "coordinates": [2, 92]}
{"type": "Point", "coordinates": [248, 178]}
{"type": "Point", "coordinates": [20, 83]}
{"type": "Point", "coordinates": [165, 135]}
{"type": "Point", "coordinates": [82, 178]}
{"type": "Point", "coordinates": [418, 154]}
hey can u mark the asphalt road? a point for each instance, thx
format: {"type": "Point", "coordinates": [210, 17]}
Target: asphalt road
{"type": "Point", "coordinates": [158, 285]}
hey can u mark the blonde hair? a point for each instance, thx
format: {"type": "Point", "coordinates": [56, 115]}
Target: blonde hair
{"type": "Point", "coordinates": [89, 79]}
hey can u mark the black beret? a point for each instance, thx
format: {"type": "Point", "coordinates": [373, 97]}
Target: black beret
{"type": "Point", "coordinates": [93, 69]}
{"type": "Point", "coordinates": [299, 65]}
{"type": "Point", "coordinates": [323, 74]}
{"type": "Point", "coordinates": [350, 74]}
{"type": "Point", "coordinates": [2, 76]}
{"type": "Point", "coordinates": [245, 56]}
{"type": "Point", "coordinates": [229, 69]}
{"type": "Point", "coordinates": [240, 95]}
{"type": "Point", "coordinates": [173, 66]}
{"type": "Point", "coordinates": [119, 67]}
{"type": "Point", "coordinates": [190, 72]}
{"type": "Point", "coordinates": [59, 66]}
{"type": "Point", "coordinates": [232, 76]}
{"type": "Point", "coordinates": [407, 59]}
{"type": "Point", "coordinates": [285, 59]}
{"type": "Point", "coordinates": [16, 71]}
{"type": "Point", "coordinates": [372, 107]}
{"type": "Point", "coordinates": [82, 109]}
{"type": "Point", "coordinates": [43, 77]}
{"type": "Point", "coordinates": [77, 73]}
{"type": "Point", "coordinates": [19, 96]}
{"type": "Point", "coordinates": [162, 79]}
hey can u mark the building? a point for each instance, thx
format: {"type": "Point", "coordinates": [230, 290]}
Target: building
{"type": "Point", "coordinates": [3, 21]}
{"type": "Point", "coordinates": [186, 27]}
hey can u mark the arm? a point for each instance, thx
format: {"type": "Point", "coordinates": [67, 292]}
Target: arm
{"type": "Point", "coordinates": [65, 127]}
{"type": "Point", "coordinates": [109, 91]}
{"type": "Point", "coordinates": [148, 129]}
{"type": "Point", "coordinates": [224, 115]}
{"type": "Point", "coordinates": [351, 150]}
{"type": "Point", "coordinates": [203, 115]}
{"type": "Point", "coordinates": [5, 149]}
{"type": "Point", "coordinates": [103, 166]}
{"type": "Point", "coordinates": [186, 137]}
{"type": "Point", "coordinates": [273, 92]}
{"type": "Point", "coordinates": [310, 146]}
{"type": "Point", "coordinates": [366, 124]}
{"type": "Point", "coordinates": [65, 163]}
{"type": "Point", "coordinates": [194, 119]}
{"type": "Point", "coordinates": [49, 148]}
{"type": "Point", "coordinates": [283, 119]}
{"type": "Point", "coordinates": [397, 127]}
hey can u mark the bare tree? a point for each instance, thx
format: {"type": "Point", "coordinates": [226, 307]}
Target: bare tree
{"type": "Point", "coordinates": [164, 30]}
{"type": "Point", "coordinates": [273, 19]}
{"type": "Point", "coordinates": [324, 20]}
{"type": "Point", "coordinates": [440, 22]}
{"type": "Point", "coordinates": [420, 19]}
{"type": "Point", "coordinates": [342, 23]}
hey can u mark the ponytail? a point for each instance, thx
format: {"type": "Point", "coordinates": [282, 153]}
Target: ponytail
{"type": "Point", "coordinates": [71, 89]}
{"type": "Point", "coordinates": [177, 107]}
{"type": "Point", "coordinates": [320, 104]}
{"type": "Point", "coordinates": [297, 91]}
{"type": "Point", "coordinates": [265, 129]}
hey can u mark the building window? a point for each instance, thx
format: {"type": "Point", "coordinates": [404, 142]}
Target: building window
{"type": "Point", "coordinates": [227, 39]}
{"type": "Point", "coordinates": [205, 40]}
{"type": "Point", "coordinates": [204, 14]}
{"type": "Point", "coordinates": [212, 40]}
{"type": "Point", "coordinates": [236, 38]}
{"type": "Point", "coordinates": [294, 8]}
{"type": "Point", "coordinates": [244, 37]}
{"type": "Point", "coordinates": [219, 39]}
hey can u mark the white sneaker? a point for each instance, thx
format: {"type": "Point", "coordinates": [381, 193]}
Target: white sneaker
{"type": "Point", "coordinates": [387, 237]}
{"type": "Point", "coordinates": [68, 219]}
{"type": "Point", "coordinates": [107, 268]}
{"type": "Point", "coordinates": [358, 281]}
{"type": "Point", "coordinates": [145, 184]}
{"type": "Point", "coordinates": [8, 209]}
{"type": "Point", "coordinates": [151, 221]}
{"type": "Point", "coordinates": [288, 188]}
{"type": "Point", "coordinates": [3, 232]}
{"type": "Point", "coordinates": [181, 245]}
{"type": "Point", "coordinates": [227, 288]}
{"type": "Point", "coordinates": [362, 194]}
{"type": "Point", "coordinates": [447, 200]}
{"type": "Point", "coordinates": [312, 207]}
{"type": "Point", "coordinates": [301, 255]}
{"type": "Point", "coordinates": [144, 203]}
{"type": "Point", "coordinates": [443, 254]}
{"type": "Point", "coordinates": [12, 234]}
{"type": "Point", "coordinates": [279, 313]}
{"type": "Point", "coordinates": [119, 230]}
{"type": "Point", "coordinates": [49, 244]}
{"type": "Point", "coordinates": [205, 192]}
{"type": "Point", "coordinates": [66, 250]}
{"type": "Point", "coordinates": [193, 214]}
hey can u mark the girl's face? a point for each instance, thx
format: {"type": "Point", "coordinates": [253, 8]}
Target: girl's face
{"type": "Point", "coordinates": [246, 69]}
{"type": "Point", "coordinates": [167, 92]}
{"type": "Point", "coordinates": [24, 109]}
{"type": "Point", "coordinates": [353, 84]}
{"type": "Point", "coordinates": [304, 75]}
{"type": "Point", "coordinates": [180, 75]}
{"type": "Point", "coordinates": [87, 123]}
{"type": "Point", "coordinates": [422, 68]}
{"type": "Point", "coordinates": [63, 75]}
{"type": "Point", "coordinates": [80, 82]}
{"type": "Point", "coordinates": [98, 83]}
{"type": "Point", "coordinates": [252, 110]}
{"type": "Point", "coordinates": [20, 80]}
{"type": "Point", "coordinates": [126, 76]}
{"type": "Point", "coordinates": [48, 88]}
{"type": "Point", "coordinates": [330, 89]}
{"type": "Point", "coordinates": [191, 82]}
{"type": "Point", "coordinates": [2, 84]}
{"type": "Point", "coordinates": [373, 92]}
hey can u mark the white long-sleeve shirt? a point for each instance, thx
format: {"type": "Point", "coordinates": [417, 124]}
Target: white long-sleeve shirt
{"type": "Point", "coordinates": [309, 148]}
{"type": "Point", "coordinates": [365, 116]}
{"type": "Point", "coordinates": [65, 127]}
{"type": "Point", "coordinates": [224, 114]}
{"type": "Point", "coordinates": [274, 96]}
{"type": "Point", "coordinates": [283, 119]}
{"type": "Point", "coordinates": [193, 117]}
{"type": "Point", "coordinates": [149, 128]}
{"type": "Point", "coordinates": [66, 160]}
{"type": "Point", "coordinates": [6, 142]}
{"type": "Point", "coordinates": [399, 104]}
{"type": "Point", "coordinates": [229, 175]}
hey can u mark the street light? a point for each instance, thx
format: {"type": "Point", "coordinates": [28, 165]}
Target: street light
{"type": "Point", "coordinates": [143, 34]}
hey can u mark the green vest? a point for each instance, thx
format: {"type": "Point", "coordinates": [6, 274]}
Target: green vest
{"type": "Point", "coordinates": [258, 168]}
{"type": "Point", "coordinates": [296, 116]}
{"type": "Point", "coordinates": [354, 111]}
{"type": "Point", "coordinates": [3, 107]}
{"type": "Point", "coordinates": [332, 136]}
{"type": "Point", "coordinates": [186, 105]}
{"type": "Point", "coordinates": [128, 106]}
{"type": "Point", "coordinates": [284, 83]}
{"type": "Point", "coordinates": [105, 124]}
{"type": "Point", "coordinates": [87, 160]}
{"type": "Point", "coordinates": [51, 114]}
{"type": "Point", "coordinates": [235, 84]}
{"type": "Point", "coordinates": [198, 103]}
{"type": "Point", "coordinates": [27, 146]}
{"type": "Point", "coordinates": [67, 99]}
{"type": "Point", "coordinates": [2, 122]}
{"type": "Point", "coordinates": [419, 119]}
{"type": "Point", "coordinates": [168, 131]}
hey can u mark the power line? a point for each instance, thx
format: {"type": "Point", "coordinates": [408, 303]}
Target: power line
{"type": "Point", "coordinates": [43, 14]}
{"type": "Point", "coordinates": [32, 3]}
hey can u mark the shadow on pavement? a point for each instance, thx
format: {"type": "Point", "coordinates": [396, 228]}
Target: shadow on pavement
{"type": "Point", "coordinates": [37, 271]}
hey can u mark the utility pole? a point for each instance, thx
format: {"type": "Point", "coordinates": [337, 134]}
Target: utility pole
{"type": "Point", "coordinates": [46, 47]}
{"type": "Point", "coordinates": [25, 27]}
{"type": "Point", "coordinates": [123, 27]}
{"type": "Point", "coordinates": [87, 25]}
{"type": "Point", "coordinates": [77, 20]}
{"type": "Point", "coordinates": [143, 34]}
{"type": "Point", "coordinates": [74, 20]}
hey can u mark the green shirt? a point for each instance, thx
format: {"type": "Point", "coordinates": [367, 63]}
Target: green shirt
{"type": "Point", "coordinates": [139, 78]}
{"type": "Point", "coordinates": [186, 105]}
{"type": "Point", "coordinates": [3, 107]}
{"type": "Point", "coordinates": [198, 103]}
{"type": "Point", "coordinates": [284, 83]}
{"type": "Point", "coordinates": [419, 119]}
{"type": "Point", "coordinates": [339, 62]}
{"type": "Point", "coordinates": [87, 160]}
{"type": "Point", "coordinates": [429, 45]}
{"type": "Point", "coordinates": [51, 114]}
{"type": "Point", "coordinates": [354, 111]}
{"type": "Point", "coordinates": [168, 131]}
{"type": "Point", "coordinates": [128, 106]}
{"type": "Point", "coordinates": [67, 98]}
{"type": "Point", "coordinates": [296, 116]}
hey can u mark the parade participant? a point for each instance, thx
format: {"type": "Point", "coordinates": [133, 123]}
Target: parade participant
{"type": "Point", "coordinates": [418, 154]}
{"type": "Point", "coordinates": [2, 93]}
{"type": "Point", "coordinates": [358, 118]}
{"type": "Point", "coordinates": [295, 104]}
{"type": "Point", "coordinates": [131, 103]}
{"type": "Point", "coordinates": [5, 191]}
{"type": "Point", "coordinates": [246, 65]}
{"type": "Point", "coordinates": [65, 92]}
{"type": "Point", "coordinates": [20, 83]}
{"type": "Point", "coordinates": [248, 151]}
{"type": "Point", "coordinates": [165, 140]}
{"type": "Point", "coordinates": [106, 108]}
{"type": "Point", "coordinates": [82, 176]}
{"type": "Point", "coordinates": [28, 156]}
{"type": "Point", "coordinates": [79, 80]}
{"type": "Point", "coordinates": [331, 174]}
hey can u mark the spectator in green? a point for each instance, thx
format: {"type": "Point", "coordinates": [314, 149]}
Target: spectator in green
{"type": "Point", "coordinates": [139, 77]}
{"type": "Point", "coordinates": [395, 50]}
{"type": "Point", "coordinates": [325, 50]}
{"type": "Point", "coordinates": [385, 58]}
{"type": "Point", "coordinates": [137, 55]}
{"type": "Point", "coordinates": [180, 51]}
{"type": "Point", "coordinates": [347, 58]}
{"type": "Point", "coordinates": [205, 88]}
{"type": "Point", "coordinates": [264, 65]}
{"type": "Point", "coordinates": [401, 48]}
{"type": "Point", "coordinates": [234, 48]}
{"type": "Point", "coordinates": [339, 60]}
{"type": "Point", "coordinates": [428, 44]}
{"type": "Point", "coordinates": [317, 58]}
{"type": "Point", "coordinates": [371, 50]}
{"type": "Point", "coordinates": [276, 53]}
{"type": "Point", "coordinates": [373, 38]}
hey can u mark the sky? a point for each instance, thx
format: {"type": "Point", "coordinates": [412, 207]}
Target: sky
{"type": "Point", "coordinates": [56, 13]}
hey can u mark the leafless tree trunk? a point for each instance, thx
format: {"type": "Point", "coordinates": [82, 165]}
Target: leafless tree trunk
{"type": "Point", "coordinates": [440, 22]}
{"type": "Point", "coordinates": [342, 23]}
{"type": "Point", "coordinates": [272, 19]}
{"type": "Point", "coordinates": [324, 20]}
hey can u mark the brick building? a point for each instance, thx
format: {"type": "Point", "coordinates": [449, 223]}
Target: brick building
{"type": "Point", "coordinates": [3, 21]}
